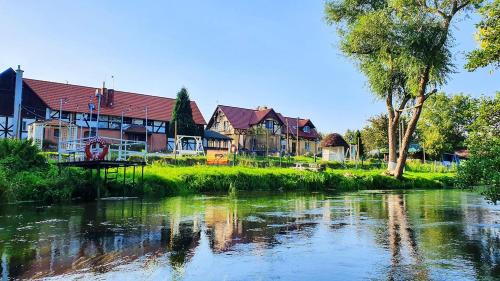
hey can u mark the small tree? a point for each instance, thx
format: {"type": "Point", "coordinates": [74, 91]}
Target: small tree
{"type": "Point", "coordinates": [350, 136]}
{"type": "Point", "coordinates": [183, 115]}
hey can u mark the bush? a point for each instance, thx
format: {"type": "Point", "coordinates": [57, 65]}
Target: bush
{"type": "Point", "coordinates": [25, 174]}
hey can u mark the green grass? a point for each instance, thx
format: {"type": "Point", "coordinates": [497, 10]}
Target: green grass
{"type": "Point", "coordinates": [166, 180]}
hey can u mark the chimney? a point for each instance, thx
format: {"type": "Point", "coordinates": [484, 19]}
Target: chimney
{"type": "Point", "coordinates": [110, 99]}
{"type": "Point", "coordinates": [261, 107]}
{"type": "Point", "coordinates": [18, 99]}
{"type": "Point", "coordinates": [104, 95]}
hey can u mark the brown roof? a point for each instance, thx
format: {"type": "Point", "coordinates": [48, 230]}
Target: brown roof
{"type": "Point", "coordinates": [333, 140]}
{"type": "Point", "coordinates": [292, 127]}
{"type": "Point", "coordinates": [244, 118]}
{"type": "Point", "coordinates": [132, 104]}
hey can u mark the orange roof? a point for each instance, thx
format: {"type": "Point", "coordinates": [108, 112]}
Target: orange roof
{"type": "Point", "coordinates": [133, 105]}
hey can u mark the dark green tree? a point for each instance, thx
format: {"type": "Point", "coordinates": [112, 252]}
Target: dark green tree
{"type": "Point", "coordinates": [359, 143]}
{"type": "Point", "coordinates": [403, 48]}
{"type": "Point", "coordinates": [183, 114]}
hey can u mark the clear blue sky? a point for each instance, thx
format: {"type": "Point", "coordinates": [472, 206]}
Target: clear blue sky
{"type": "Point", "coordinates": [241, 53]}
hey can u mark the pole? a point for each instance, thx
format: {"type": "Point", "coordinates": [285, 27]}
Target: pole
{"type": "Point", "coordinates": [175, 141]}
{"type": "Point", "coordinates": [98, 111]}
{"type": "Point", "coordinates": [297, 148]}
{"type": "Point", "coordinates": [146, 131]}
{"type": "Point", "coordinates": [60, 132]}
{"type": "Point", "coordinates": [121, 138]}
{"type": "Point", "coordinates": [90, 121]}
{"type": "Point", "coordinates": [287, 137]}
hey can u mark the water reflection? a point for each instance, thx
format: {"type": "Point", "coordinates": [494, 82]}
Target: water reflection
{"type": "Point", "coordinates": [419, 235]}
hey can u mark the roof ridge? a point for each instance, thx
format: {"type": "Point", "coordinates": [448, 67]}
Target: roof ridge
{"type": "Point", "coordinates": [238, 107]}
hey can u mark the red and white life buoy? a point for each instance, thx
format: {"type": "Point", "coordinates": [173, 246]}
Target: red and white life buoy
{"type": "Point", "coordinates": [96, 156]}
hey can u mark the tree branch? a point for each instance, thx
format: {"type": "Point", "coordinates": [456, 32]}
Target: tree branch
{"type": "Point", "coordinates": [426, 96]}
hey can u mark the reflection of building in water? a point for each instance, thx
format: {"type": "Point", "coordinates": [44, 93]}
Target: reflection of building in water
{"type": "Point", "coordinates": [223, 224]}
{"type": "Point", "coordinates": [101, 238]}
{"type": "Point", "coordinates": [406, 261]}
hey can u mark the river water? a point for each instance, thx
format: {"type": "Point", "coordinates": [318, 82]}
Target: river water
{"type": "Point", "coordinates": [377, 235]}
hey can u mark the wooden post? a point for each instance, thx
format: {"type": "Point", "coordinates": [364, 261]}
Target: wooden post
{"type": "Point", "coordinates": [133, 176]}
{"type": "Point", "coordinates": [98, 182]}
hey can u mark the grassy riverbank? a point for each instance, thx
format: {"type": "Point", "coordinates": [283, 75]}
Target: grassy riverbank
{"type": "Point", "coordinates": [26, 174]}
{"type": "Point", "coordinates": [165, 180]}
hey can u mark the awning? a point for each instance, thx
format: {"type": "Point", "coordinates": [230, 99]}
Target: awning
{"type": "Point", "coordinates": [209, 134]}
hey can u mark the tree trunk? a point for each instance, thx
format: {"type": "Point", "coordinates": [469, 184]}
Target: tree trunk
{"type": "Point", "coordinates": [391, 132]}
{"type": "Point", "coordinates": [391, 165]}
{"type": "Point", "coordinates": [403, 150]}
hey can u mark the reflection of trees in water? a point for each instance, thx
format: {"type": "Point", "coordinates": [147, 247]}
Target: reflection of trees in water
{"type": "Point", "coordinates": [98, 237]}
{"type": "Point", "coordinates": [401, 238]}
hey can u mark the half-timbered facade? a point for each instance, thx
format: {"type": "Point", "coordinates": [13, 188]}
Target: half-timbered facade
{"type": "Point", "coordinates": [79, 105]}
{"type": "Point", "coordinates": [263, 130]}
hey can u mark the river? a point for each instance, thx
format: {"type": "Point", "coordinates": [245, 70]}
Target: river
{"type": "Point", "coordinates": [369, 235]}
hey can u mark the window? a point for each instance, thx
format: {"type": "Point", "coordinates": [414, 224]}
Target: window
{"type": "Point", "coordinates": [56, 133]}
{"type": "Point", "coordinates": [306, 129]}
{"type": "Point", "coordinates": [138, 122]}
{"type": "Point", "coordinates": [269, 124]}
{"type": "Point", "coordinates": [307, 146]}
{"type": "Point", "coordinates": [226, 126]}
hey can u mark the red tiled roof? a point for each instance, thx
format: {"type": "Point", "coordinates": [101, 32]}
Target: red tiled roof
{"type": "Point", "coordinates": [132, 104]}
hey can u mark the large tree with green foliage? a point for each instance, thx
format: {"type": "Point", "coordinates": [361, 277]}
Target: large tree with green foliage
{"type": "Point", "coordinates": [483, 166]}
{"type": "Point", "coordinates": [403, 48]}
{"type": "Point", "coordinates": [183, 116]}
{"type": "Point", "coordinates": [488, 36]}
{"type": "Point", "coordinates": [443, 124]}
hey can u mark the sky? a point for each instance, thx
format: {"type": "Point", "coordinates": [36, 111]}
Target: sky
{"type": "Point", "coordinates": [240, 53]}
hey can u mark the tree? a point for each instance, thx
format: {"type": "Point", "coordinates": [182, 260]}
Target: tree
{"type": "Point", "coordinates": [350, 136]}
{"type": "Point", "coordinates": [443, 124]}
{"type": "Point", "coordinates": [183, 114]}
{"type": "Point", "coordinates": [375, 133]}
{"type": "Point", "coordinates": [488, 35]}
{"type": "Point", "coordinates": [483, 166]}
{"type": "Point", "coordinates": [403, 48]}
{"type": "Point", "coordinates": [359, 143]}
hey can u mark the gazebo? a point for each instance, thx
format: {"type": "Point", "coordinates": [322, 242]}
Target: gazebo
{"type": "Point", "coordinates": [52, 130]}
{"type": "Point", "coordinates": [334, 148]}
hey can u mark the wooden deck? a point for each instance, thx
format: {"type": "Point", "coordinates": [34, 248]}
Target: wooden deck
{"type": "Point", "coordinates": [102, 164]}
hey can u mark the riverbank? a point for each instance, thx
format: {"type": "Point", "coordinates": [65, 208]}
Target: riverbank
{"type": "Point", "coordinates": [167, 181]}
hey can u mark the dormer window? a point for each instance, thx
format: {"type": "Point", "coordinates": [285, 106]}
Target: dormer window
{"type": "Point", "coordinates": [306, 129]}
